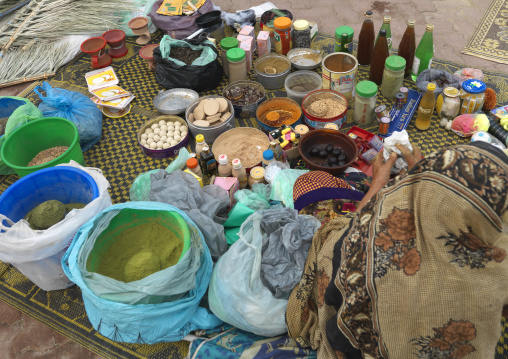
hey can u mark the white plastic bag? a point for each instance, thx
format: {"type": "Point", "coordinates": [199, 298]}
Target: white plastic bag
{"type": "Point", "coordinates": [36, 253]}
{"type": "Point", "coordinates": [236, 294]}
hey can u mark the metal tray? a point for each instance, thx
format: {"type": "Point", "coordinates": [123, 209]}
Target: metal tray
{"type": "Point", "coordinates": [174, 101]}
{"type": "Point", "coordinates": [302, 59]}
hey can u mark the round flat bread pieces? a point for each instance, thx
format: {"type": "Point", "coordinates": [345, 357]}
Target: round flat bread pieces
{"type": "Point", "coordinates": [223, 104]}
{"type": "Point", "coordinates": [211, 108]}
{"type": "Point", "coordinates": [199, 114]}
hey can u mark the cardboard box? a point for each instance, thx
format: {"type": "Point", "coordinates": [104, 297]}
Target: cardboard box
{"type": "Point", "coordinates": [229, 184]}
{"type": "Point", "coordinates": [200, 180]}
{"type": "Point", "coordinates": [264, 45]}
{"type": "Point", "coordinates": [247, 46]}
{"type": "Point", "coordinates": [247, 31]}
{"type": "Point", "coordinates": [402, 116]}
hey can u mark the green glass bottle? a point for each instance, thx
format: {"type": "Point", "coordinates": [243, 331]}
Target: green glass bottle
{"type": "Point", "coordinates": [386, 26]}
{"type": "Point", "coordinates": [424, 53]}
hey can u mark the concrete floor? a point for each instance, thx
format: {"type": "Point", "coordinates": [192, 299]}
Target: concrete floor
{"type": "Point", "coordinates": [454, 23]}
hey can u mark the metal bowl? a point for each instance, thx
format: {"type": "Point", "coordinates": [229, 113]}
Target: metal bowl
{"type": "Point", "coordinates": [305, 59]}
{"type": "Point", "coordinates": [276, 104]}
{"type": "Point", "coordinates": [212, 132]}
{"type": "Point", "coordinates": [168, 152]}
{"type": "Point", "coordinates": [174, 101]}
{"type": "Point", "coordinates": [246, 110]}
{"type": "Point", "coordinates": [271, 81]}
{"type": "Point", "coordinates": [321, 138]}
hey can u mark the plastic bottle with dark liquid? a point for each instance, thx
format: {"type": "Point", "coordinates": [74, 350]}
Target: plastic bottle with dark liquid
{"type": "Point", "coordinates": [366, 40]}
{"type": "Point", "coordinates": [379, 58]}
{"type": "Point", "coordinates": [407, 46]}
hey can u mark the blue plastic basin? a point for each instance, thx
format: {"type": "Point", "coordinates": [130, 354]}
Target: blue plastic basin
{"type": "Point", "coordinates": [62, 183]}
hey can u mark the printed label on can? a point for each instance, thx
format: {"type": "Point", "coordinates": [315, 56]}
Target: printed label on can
{"type": "Point", "coordinates": [318, 124]}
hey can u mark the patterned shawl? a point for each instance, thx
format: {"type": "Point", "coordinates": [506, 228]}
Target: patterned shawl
{"type": "Point", "coordinates": [422, 268]}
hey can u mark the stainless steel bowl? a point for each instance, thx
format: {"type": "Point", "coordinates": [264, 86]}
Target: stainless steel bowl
{"type": "Point", "coordinates": [246, 110]}
{"type": "Point", "coordinates": [212, 132]}
{"type": "Point", "coordinates": [174, 101]}
{"type": "Point", "coordinates": [271, 81]}
{"type": "Point", "coordinates": [305, 59]}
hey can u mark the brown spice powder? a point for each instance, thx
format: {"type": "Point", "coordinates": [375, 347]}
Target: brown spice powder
{"type": "Point", "coordinates": [47, 155]}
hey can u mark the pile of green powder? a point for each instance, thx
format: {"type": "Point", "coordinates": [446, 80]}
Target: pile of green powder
{"type": "Point", "coordinates": [49, 213]}
{"type": "Point", "coordinates": [140, 251]}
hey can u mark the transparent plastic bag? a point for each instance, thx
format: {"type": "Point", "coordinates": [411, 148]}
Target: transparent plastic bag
{"type": "Point", "coordinates": [282, 186]}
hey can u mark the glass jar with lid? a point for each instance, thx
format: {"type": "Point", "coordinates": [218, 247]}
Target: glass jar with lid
{"type": "Point", "coordinates": [237, 65]}
{"type": "Point", "coordinates": [257, 175]}
{"type": "Point", "coordinates": [301, 34]}
{"type": "Point", "coordinates": [472, 95]}
{"type": "Point", "coordinates": [448, 103]}
{"type": "Point", "coordinates": [226, 44]}
{"type": "Point", "coordinates": [365, 102]}
{"type": "Point", "coordinates": [393, 76]}
{"type": "Point", "coordinates": [282, 35]}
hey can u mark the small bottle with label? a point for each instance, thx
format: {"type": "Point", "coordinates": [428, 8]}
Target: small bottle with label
{"type": "Point", "coordinates": [193, 166]}
{"type": "Point", "coordinates": [240, 173]}
{"type": "Point", "coordinates": [275, 148]}
{"type": "Point", "coordinates": [200, 144]}
{"type": "Point", "coordinates": [207, 160]}
{"type": "Point", "coordinates": [426, 108]}
{"type": "Point", "coordinates": [268, 158]}
{"type": "Point", "coordinates": [224, 168]}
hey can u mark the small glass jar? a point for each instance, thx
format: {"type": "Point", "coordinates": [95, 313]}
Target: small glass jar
{"type": "Point", "coordinates": [237, 65]}
{"type": "Point", "coordinates": [365, 102]}
{"type": "Point", "coordinates": [257, 175]}
{"type": "Point", "coordinates": [301, 34]}
{"type": "Point", "coordinates": [268, 157]}
{"type": "Point", "coordinates": [282, 35]}
{"type": "Point", "coordinates": [226, 44]}
{"type": "Point", "coordinates": [472, 95]}
{"type": "Point", "coordinates": [448, 103]}
{"type": "Point", "coordinates": [393, 76]}
{"type": "Point", "coordinates": [339, 44]}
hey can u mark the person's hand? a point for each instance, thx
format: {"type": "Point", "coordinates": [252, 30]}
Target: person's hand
{"type": "Point", "coordinates": [411, 158]}
{"type": "Point", "coordinates": [381, 170]}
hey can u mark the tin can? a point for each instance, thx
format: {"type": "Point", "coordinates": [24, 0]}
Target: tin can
{"type": "Point", "coordinates": [384, 124]}
{"type": "Point", "coordinates": [400, 100]}
{"type": "Point", "coordinates": [381, 111]}
{"type": "Point", "coordinates": [339, 70]}
{"type": "Point", "coordinates": [331, 126]}
{"type": "Point", "coordinates": [405, 91]}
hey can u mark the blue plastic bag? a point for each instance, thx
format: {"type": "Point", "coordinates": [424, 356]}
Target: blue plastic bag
{"type": "Point", "coordinates": [144, 323]}
{"type": "Point", "coordinates": [75, 107]}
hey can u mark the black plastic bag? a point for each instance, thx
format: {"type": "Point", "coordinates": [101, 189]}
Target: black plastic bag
{"type": "Point", "coordinates": [197, 78]}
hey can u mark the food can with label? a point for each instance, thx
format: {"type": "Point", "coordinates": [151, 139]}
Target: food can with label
{"type": "Point", "coordinates": [339, 70]}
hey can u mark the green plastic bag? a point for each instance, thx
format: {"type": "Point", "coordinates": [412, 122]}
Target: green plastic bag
{"type": "Point", "coordinates": [207, 56]}
{"type": "Point", "coordinates": [236, 217]}
{"type": "Point", "coordinates": [20, 111]}
{"type": "Point", "coordinates": [141, 186]}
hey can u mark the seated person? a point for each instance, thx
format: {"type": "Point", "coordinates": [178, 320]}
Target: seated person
{"type": "Point", "coordinates": [419, 270]}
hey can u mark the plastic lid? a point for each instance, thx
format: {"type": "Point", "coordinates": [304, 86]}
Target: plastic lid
{"type": "Point", "coordinates": [366, 88]}
{"type": "Point", "coordinates": [235, 54]}
{"type": "Point", "coordinates": [192, 163]}
{"type": "Point", "coordinates": [344, 29]}
{"type": "Point", "coordinates": [282, 22]}
{"type": "Point", "coordinates": [223, 159]}
{"type": "Point", "coordinates": [431, 86]}
{"type": "Point", "coordinates": [474, 86]}
{"type": "Point", "coordinates": [200, 138]}
{"type": "Point", "coordinates": [257, 173]}
{"type": "Point", "coordinates": [451, 91]}
{"type": "Point", "coordinates": [301, 25]}
{"type": "Point", "coordinates": [385, 119]}
{"type": "Point", "coordinates": [229, 43]}
{"type": "Point", "coordinates": [237, 163]}
{"type": "Point", "coordinates": [395, 63]}
{"type": "Point", "coordinates": [268, 155]}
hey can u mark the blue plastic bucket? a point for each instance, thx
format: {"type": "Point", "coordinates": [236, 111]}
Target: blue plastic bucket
{"type": "Point", "coordinates": [62, 183]}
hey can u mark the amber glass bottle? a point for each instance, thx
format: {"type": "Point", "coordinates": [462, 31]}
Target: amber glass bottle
{"type": "Point", "coordinates": [379, 58]}
{"type": "Point", "coordinates": [426, 108]}
{"type": "Point", "coordinates": [407, 46]}
{"type": "Point", "coordinates": [366, 40]}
